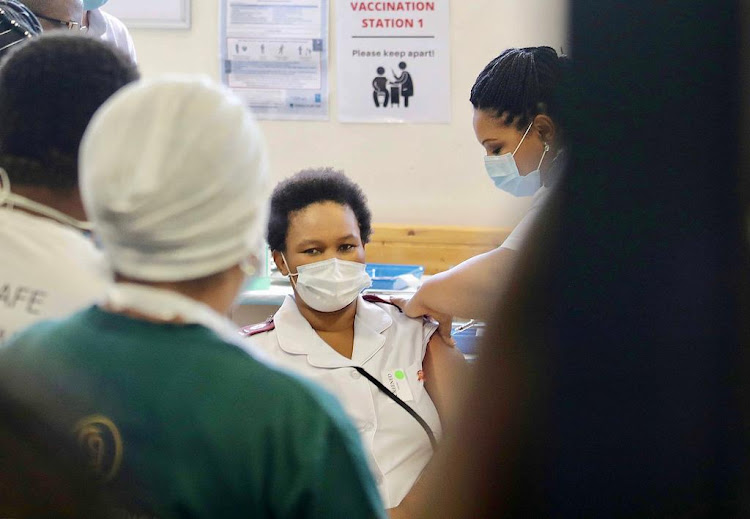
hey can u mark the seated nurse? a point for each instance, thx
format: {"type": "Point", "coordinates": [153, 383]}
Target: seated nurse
{"type": "Point", "coordinates": [318, 227]}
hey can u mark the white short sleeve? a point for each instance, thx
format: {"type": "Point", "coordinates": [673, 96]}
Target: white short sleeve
{"type": "Point", "coordinates": [108, 28]}
{"type": "Point", "coordinates": [429, 327]}
{"type": "Point", "coordinates": [48, 271]}
{"type": "Point", "coordinates": [518, 236]}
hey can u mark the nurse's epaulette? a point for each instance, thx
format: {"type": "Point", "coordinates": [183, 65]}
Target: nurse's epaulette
{"type": "Point", "coordinates": [255, 329]}
{"type": "Point", "coordinates": [268, 325]}
{"type": "Point", "coordinates": [372, 298]}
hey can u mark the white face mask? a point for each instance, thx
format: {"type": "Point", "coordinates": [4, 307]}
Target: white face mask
{"type": "Point", "coordinates": [329, 285]}
{"type": "Point", "coordinates": [503, 171]}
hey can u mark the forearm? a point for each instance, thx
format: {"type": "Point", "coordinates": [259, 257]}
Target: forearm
{"type": "Point", "coordinates": [469, 289]}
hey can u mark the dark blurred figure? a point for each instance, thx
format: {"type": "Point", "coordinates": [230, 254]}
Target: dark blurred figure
{"type": "Point", "coordinates": [613, 383]}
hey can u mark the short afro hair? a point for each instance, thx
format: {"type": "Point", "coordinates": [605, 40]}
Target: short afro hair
{"type": "Point", "coordinates": [50, 88]}
{"type": "Point", "coordinates": [312, 186]}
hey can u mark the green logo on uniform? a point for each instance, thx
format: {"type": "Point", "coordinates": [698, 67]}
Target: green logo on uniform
{"type": "Point", "coordinates": [400, 375]}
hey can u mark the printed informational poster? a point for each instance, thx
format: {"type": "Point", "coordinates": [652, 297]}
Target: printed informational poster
{"type": "Point", "coordinates": [394, 61]}
{"type": "Point", "coordinates": [275, 56]}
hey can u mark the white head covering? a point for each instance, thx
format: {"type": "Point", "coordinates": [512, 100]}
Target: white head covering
{"type": "Point", "coordinates": [174, 177]}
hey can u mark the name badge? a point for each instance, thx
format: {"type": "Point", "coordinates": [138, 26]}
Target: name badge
{"type": "Point", "coordinates": [396, 381]}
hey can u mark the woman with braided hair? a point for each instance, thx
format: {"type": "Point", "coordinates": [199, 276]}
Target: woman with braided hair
{"type": "Point", "coordinates": [517, 122]}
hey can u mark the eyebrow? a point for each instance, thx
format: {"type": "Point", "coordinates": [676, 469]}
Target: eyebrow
{"type": "Point", "coordinates": [490, 139]}
{"type": "Point", "coordinates": [307, 243]}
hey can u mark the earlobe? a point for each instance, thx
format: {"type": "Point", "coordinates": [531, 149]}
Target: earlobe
{"type": "Point", "coordinates": [546, 128]}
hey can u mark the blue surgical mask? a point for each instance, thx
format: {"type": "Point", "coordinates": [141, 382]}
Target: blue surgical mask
{"type": "Point", "coordinates": [503, 171]}
{"type": "Point", "coordinates": [91, 5]}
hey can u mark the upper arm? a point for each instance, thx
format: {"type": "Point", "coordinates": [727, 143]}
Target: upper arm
{"type": "Point", "coordinates": [445, 372]}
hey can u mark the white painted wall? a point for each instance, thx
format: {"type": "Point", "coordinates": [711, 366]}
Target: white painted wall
{"type": "Point", "coordinates": [412, 174]}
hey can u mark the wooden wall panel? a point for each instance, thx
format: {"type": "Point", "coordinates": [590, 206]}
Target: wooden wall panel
{"type": "Point", "coordinates": [437, 248]}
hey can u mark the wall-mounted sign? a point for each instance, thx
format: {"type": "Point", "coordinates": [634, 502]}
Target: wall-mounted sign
{"type": "Point", "coordinates": [275, 56]}
{"type": "Point", "coordinates": [394, 61]}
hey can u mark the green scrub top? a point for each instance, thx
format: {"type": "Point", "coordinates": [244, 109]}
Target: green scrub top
{"type": "Point", "coordinates": [179, 423]}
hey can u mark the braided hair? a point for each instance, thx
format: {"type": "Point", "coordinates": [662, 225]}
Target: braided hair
{"type": "Point", "coordinates": [520, 84]}
{"type": "Point", "coordinates": [49, 90]}
{"type": "Point", "coordinates": [17, 24]}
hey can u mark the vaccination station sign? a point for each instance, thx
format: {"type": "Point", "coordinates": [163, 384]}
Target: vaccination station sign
{"type": "Point", "coordinates": [393, 61]}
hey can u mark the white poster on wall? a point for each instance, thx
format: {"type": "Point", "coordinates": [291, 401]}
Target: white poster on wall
{"type": "Point", "coordinates": [394, 61]}
{"type": "Point", "coordinates": [148, 14]}
{"type": "Point", "coordinates": [275, 56]}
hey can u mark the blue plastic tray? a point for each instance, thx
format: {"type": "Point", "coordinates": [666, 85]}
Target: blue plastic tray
{"type": "Point", "coordinates": [468, 341]}
{"type": "Point", "coordinates": [385, 276]}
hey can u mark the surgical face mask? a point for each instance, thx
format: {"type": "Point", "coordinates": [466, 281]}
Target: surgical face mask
{"type": "Point", "coordinates": [90, 5]}
{"type": "Point", "coordinates": [329, 285]}
{"type": "Point", "coordinates": [503, 171]}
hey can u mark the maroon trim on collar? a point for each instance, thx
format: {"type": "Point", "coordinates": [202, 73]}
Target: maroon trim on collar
{"type": "Point", "coordinates": [255, 329]}
{"type": "Point", "coordinates": [372, 298]}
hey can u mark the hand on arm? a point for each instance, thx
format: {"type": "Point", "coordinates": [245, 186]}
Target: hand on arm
{"type": "Point", "coordinates": [467, 290]}
{"type": "Point", "coordinates": [415, 307]}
